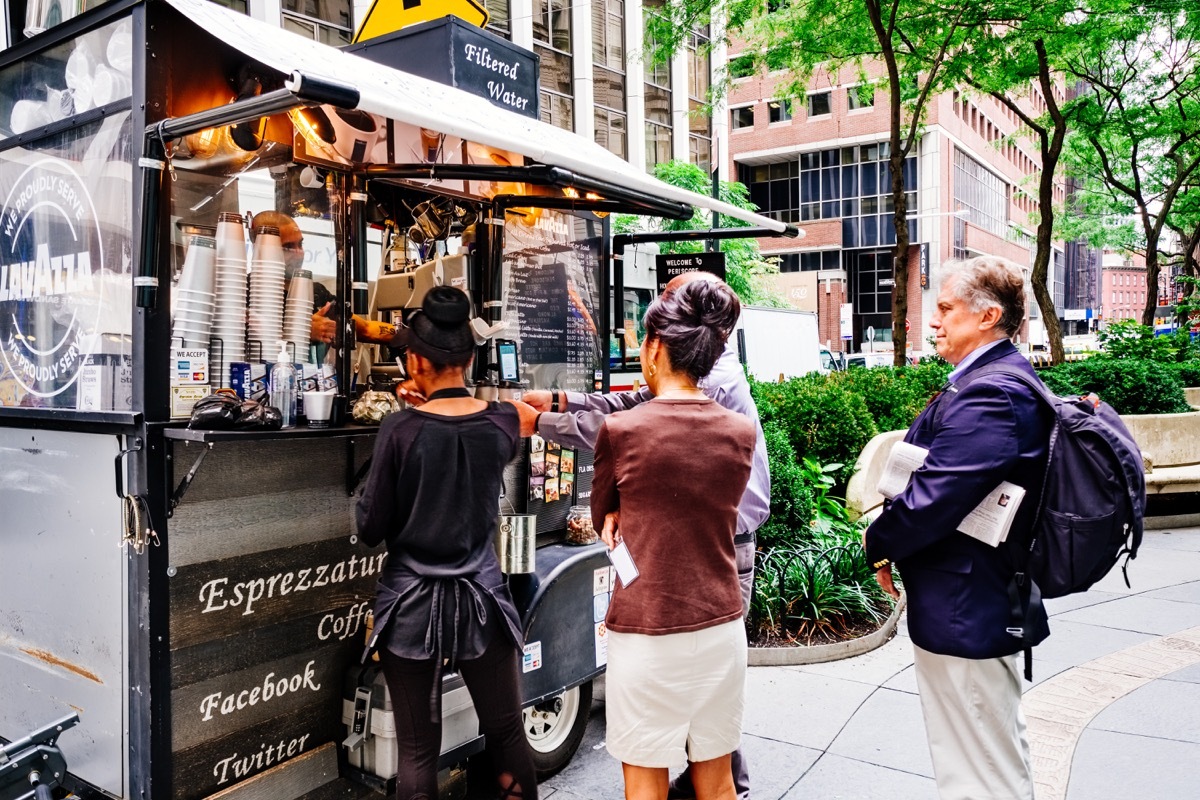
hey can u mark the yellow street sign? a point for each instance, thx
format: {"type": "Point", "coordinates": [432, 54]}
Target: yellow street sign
{"type": "Point", "coordinates": [388, 16]}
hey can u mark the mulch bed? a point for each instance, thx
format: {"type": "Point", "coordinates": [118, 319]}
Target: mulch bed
{"type": "Point", "coordinates": [844, 632]}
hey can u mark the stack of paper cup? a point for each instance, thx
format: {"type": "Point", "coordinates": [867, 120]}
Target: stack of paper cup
{"type": "Point", "coordinates": [267, 271]}
{"type": "Point", "coordinates": [195, 296]}
{"type": "Point", "coordinates": [228, 343]}
{"type": "Point", "coordinates": [297, 315]}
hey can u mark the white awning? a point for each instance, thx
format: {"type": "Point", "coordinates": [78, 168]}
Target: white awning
{"type": "Point", "coordinates": [418, 101]}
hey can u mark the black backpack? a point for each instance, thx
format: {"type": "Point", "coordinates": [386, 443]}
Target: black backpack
{"type": "Point", "coordinates": [1093, 496]}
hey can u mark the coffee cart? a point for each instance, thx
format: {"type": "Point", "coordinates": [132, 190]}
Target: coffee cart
{"type": "Point", "coordinates": [198, 597]}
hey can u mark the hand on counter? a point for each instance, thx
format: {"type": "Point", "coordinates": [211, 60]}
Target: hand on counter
{"type": "Point", "coordinates": [323, 328]}
{"type": "Point", "coordinates": [528, 415]}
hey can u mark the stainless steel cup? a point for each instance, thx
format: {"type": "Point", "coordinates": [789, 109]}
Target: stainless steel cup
{"type": "Point", "coordinates": [516, 543]}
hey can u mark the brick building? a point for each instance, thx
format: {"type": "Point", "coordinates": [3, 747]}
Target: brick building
{"type": "Point", "coordinates": [820, 161]}
{"type": "Point", "coordinates": [1122, 287]}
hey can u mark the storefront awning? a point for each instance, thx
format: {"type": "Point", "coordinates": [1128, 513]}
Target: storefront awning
{"type": "Point", "coordinates": [416, 101]}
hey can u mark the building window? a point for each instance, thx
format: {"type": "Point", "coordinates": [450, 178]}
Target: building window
{"type": "Point", "coordinates": [552, 43]}
{"type": "Point", "coordinates": [556, 110]}
{"type": "Point", "coordinates": [778, 111]}
{"type": "Point", "coordinates": [611, 132]}
{"type": "Point", "coordinates": [871, 282]}
{"type": "Point", "coordinates": [499, 17]}
{"type": "Point", "coordinates": [773, 188]}
{"type": "Point", "coordinates": [699, 67]}
{"type": "Point", "coordinates": [740, 66]}
{"type": "Point", "coordinates": [819, 104]}
{"type": "Point", "coordinates": [867, 206]}
{"type": "Point", "coordinates": [812, 261]}
{"type": "Point", "coordinates": [860, 97]}
{"type": "Point", "coordinates": [608, 75]}
{"type": "Point", "coordinates": [741, 117]}
{"type": "Point", "coordinates": [657, 94]}
{"type": "Point", "coordinates": [980, 192]}
{"type": "Point", "coordinates": [327, 21]}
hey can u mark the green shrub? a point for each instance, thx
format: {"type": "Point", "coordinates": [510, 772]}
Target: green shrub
{"type": "Point", "coordinates": [791, 495]}
{"type": "Point", "coordinates": [804, 591]}
{"type": "Point", "coordinates": [1131, 386]}
{"type": "Point", "coordinates": [895, 395]}
{"type": "Point", "coordinates": [824, 420]}
{"type": "Point", "coordinates": [1130, 339]}
{"type": "Point", "coordinates": [1188, 372]}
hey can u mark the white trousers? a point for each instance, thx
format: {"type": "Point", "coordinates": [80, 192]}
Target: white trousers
{"type": "Point", "coordinates": [975, 725]}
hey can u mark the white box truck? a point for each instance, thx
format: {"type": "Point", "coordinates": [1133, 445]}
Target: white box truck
{"type": "Point", "coordinates": [779, 341]}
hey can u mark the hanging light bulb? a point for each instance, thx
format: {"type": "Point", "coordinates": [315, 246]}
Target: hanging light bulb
{"type": "Point", "coordinates": [202, 144]}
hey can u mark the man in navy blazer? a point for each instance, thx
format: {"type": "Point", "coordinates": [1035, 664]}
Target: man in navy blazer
{"type": "Point", "coordinates": [959, 613]}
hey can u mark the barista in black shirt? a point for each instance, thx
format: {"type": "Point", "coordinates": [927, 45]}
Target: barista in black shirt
{"type": "Point", "coordinates": [432, 495]}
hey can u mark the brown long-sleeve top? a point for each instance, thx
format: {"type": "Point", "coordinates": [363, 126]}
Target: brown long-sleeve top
{"type": "Point", "coordinates": [676, 470]}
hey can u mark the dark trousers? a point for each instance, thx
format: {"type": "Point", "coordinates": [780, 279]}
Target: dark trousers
{"type": "Point", "coordinates": [493, 681]}
{"type": "Point", "coordinates": [681, 787]}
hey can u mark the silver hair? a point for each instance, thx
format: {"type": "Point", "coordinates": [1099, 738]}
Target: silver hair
{"type": "Point", "coordinates": [990, 281]}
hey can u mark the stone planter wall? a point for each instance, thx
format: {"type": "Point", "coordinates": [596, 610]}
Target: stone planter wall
{"type": "Point", "coordinates": [820, 653]}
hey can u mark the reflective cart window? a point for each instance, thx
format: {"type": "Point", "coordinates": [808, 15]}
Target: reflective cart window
{"type": "Point", "coordinates": [65, 280]}
{"type": "Point", "coordinates": [42, 15]}
{"type": "Point", "coordinates": [254, 265]}
{"type": "Point", "coordinates": [91, 71]}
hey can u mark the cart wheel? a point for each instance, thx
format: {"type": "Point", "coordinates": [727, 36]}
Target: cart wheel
{"type": "Point", "coordinates": [555, 728]}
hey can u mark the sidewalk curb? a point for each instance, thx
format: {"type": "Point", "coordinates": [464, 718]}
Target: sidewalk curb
{"type": "Point", "coordinates": [819, 653]}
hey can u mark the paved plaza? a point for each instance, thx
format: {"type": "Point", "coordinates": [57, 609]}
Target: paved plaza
{"type": "Point", "coordinates": [1114, 710]}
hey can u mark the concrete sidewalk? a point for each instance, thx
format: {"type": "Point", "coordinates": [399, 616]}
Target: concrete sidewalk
{"type": "Point", "coordinates": [1114, 710]}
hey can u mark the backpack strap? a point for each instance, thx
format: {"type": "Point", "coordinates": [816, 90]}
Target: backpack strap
{"type": "Point", "coordinates": [1023, 594]}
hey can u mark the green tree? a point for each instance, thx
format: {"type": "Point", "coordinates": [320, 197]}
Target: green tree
{"type": "Point", "coordinates": [1022, 53]}
{"type": "Point", "coordinates": [914, 40]}
{"type": "Point", "coordinates": [1138, 140]}
{"type": "Point", "coordinates": [747, 272]}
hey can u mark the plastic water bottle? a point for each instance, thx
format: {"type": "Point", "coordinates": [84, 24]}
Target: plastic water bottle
{"type": "Point", "coordinates": [283, 386]}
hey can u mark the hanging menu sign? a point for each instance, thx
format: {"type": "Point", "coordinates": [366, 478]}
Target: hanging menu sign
{"type": "Point", "coordinates": [552, 297]}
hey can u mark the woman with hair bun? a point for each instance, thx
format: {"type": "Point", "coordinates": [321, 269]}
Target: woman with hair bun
{"type": "Point", "coordinates": [441, 600]}
{"type": "Point", "coordinates": [669, 475]}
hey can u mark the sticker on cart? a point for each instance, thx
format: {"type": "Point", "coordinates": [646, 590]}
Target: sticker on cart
{"type": "Point", "coordinates": [602, 581]}
{"type": "Point", "coordinates": [601, 644]}
{"type": "Point", "coordinates": [533, 657]}
{"type": "Point", "coordinates": [600, 607]}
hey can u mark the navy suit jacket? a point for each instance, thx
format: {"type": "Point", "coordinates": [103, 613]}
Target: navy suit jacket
{"type": "Point", "coordinates": [994, 429]}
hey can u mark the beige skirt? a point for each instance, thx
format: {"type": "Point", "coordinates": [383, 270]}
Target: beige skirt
{"type": "Point", "coordinates": [677, 697]}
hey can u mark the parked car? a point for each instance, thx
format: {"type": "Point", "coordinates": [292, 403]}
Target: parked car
{"type": "Point", "coordinates": [873, 360]}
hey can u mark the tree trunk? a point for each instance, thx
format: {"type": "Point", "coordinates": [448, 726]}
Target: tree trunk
{"type": "Point", "coordinates": [1051, 143]}
{"type": "Point", "coordinates": [1151, 275]}
{"type": "Point", "coordinates": [900, 257]}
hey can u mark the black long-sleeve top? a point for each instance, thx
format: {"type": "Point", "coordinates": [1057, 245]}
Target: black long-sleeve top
{"type": "Point", "coordinates": [433, 496]}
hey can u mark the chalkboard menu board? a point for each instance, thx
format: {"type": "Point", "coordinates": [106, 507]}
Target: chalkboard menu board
{"type": "Point", "coordinates": [552, 290]}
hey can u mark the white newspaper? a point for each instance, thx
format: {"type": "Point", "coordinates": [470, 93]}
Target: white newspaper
{"type": "Point", "coordinates": [991, 519]}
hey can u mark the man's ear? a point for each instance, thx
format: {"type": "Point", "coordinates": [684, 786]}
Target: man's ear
{"type": "Point", "coordinates": [991, 318]}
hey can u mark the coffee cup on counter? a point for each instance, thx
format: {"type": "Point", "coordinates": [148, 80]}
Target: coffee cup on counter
{"type": "Point", "coordinates": [318, 408]}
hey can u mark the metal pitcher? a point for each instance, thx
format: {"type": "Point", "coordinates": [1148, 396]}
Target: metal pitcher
{"type": "Point", "coordinates": [516, 543]}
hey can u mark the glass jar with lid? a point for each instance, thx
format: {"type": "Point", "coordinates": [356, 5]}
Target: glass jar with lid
{"type": "Point", "coordinates": [579, 526]}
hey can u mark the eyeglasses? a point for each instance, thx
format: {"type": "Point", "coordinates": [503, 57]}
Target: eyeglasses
{"type": "Point", "coordinates": [294, 245]}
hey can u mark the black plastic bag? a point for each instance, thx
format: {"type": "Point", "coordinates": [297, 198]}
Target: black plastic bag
{"type": "Point", "coordinates": [216, 412]}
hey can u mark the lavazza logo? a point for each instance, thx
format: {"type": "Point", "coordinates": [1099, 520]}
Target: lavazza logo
{"type": "Point", "coordinates": [48, 216]}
